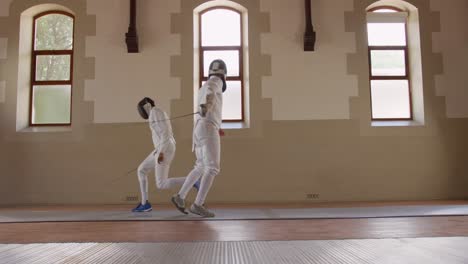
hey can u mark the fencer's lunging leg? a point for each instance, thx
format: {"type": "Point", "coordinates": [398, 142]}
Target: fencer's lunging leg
{"type": "Point", "coordinates": [205, 186]}
{"type": "Point", "coordinates": [145, 167]}
{"type": "Point", "coordinates": [211, 150]}
{"type": "Point", "coordinates": [162, 170]}
{"type": "Point", "coordinates": [194, 175]}
{"type": "Point", "coordinates": [163, 182]}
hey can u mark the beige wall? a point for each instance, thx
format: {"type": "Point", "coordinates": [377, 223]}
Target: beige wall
{"type": "Point", "coordinates": [129, 77]}
{"type": "Point", "coordinates": [2, 91]}
{"type": "Point", "coordinates": [317, 83]}
{"type": "Point", "coordinates": [3, 57]}
{"type": "Point", "coordinates": [3, 48]}
{"type": "Point", "coordinates": [452, 42]}
{"type": "Point", "coordinates": [310, 131]}
{"type": "Point", "coordinates": [4, 7]}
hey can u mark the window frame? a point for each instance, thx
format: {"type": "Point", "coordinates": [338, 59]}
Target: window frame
{"type": "Point", "coordinates": [35, 53]}
{"type": "Point", "coordinates": [240, 49]}
{"type": "Point", "coordinates": [385, 7]}
{"type": "Point", "coordinates": [407, 75]}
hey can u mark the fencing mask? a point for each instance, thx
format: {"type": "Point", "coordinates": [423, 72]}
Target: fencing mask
{"type": "Point", "coordinates": [144, 107]}
{"type": "Point", "coordinates": [218, 67]}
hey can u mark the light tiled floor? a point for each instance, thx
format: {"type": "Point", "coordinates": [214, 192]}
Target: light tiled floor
{"type": "Point", "coordinates": [56, 215]}
{"type": "Point", "coordinates": [411, 250]}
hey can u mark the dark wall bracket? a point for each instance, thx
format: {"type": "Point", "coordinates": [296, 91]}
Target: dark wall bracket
{"type": "Point", "coordinates": [131, 37]}
{"type": "Point", "coordinates": [310, 36]}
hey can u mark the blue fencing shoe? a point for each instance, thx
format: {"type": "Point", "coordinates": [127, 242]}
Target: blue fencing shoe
{"type": "Point", "coordinates": [197, 185]}
{"type": "Point", "coordinates": [142, 208]}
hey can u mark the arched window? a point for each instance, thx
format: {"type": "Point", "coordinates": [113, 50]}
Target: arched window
{"type": "Point", "coordinates": [389, 71]}
{"type": "Point", "coordinates": [221, 37]}
{"type": "Point", "coordinates": [51, 69]}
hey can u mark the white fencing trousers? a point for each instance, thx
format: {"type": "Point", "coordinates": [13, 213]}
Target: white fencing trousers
{"type": "Point", "coordinates": [207, 150]}
{"type": "Point", "coordinates": [161, 172]}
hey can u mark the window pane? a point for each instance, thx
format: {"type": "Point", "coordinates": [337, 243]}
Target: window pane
{"type": "Point", "coordinates": [231, 58]}
{"type": "Point", "coordinates": [54, 32]}
{"type": "Point", "coordinates": [388, 63]}
{"type": "Point", "coordinates": [51, 104]}
{"type": "Point", "coordinates": [232, 101]}
{"type": "Point", "coordinates": [221, 27]}
{"type": "Point", "coordinates": [386, 34]}
{"type": "Point", "coordinates": [390, 99]}
{"type": "Point", "coordinates": [53, 68]}
{"type": "Point", "coordinates": [384, 10]}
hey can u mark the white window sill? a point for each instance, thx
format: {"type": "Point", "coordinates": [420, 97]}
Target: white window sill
{"type": "Point", "coordinates": [49, 129]}
{"type": "Point", "coordinates": [234, 125]}
{"type": "Point", "coordinates": [396, 123]}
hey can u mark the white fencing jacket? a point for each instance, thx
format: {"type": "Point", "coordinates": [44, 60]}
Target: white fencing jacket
{"type": "Point", "coordinates": [211, 95]}
{"type": "Point", "coordinates": [161, 130]}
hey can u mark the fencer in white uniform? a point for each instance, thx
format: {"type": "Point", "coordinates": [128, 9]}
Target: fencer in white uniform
{"type": "Point", "coordinates": [160, 159]}
{"type": "Point", "coordinates": [206, 140]}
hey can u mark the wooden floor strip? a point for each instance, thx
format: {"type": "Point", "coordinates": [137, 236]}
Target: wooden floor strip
{"type": "Point", "coordinates": [272, 230]}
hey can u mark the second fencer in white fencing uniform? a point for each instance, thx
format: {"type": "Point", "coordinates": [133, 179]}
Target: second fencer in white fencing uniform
{"type": "Point", "coordinates": [160, 159]}
{"type": "Point", "coordinates": [206, 140]}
